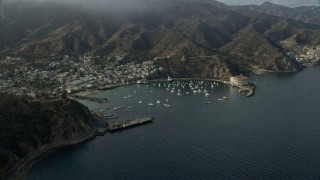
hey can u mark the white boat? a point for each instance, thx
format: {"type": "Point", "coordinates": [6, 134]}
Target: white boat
{"type": "Point", "coordinates": [158, 102]}
{"type": "Point", "coordinates": [179, 94]}
{"type": "Point", "coordinates": [167, 105]}
{"type": "Point", "coordinates": [187, 92]}
{"type": "Point", "coordinates": [129, 96]}
{"type": "Point", "coordinates": [150, 104]}
{"type": "Point", "coordinates": [140, 102]}
{"type": "Point", "coordinates": [172, 90]}
{"type": "Point", "coordinates": [126, 97]}
{"type": "Point", "coordinates": [206, 94]}
{"type": "Point", "coordinates": [169, 78]}
{"type": "Point", "coordinates": [208, 102]}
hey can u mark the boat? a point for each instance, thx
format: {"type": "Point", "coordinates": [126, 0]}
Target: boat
{"type": "Point", "coordinates": [206, 94]}
{"type": "Point", "coordinates": [119, 107]}
{"type": "Point", "coordinates": [158, 102]}
{"type": "Point", "coordinates": [179, 94]}
{"type": "Point", "coordinates": [225, 97]}
{"type": "Point", "coordinates": [126, 97]}
{"type": "Point", "coordinates": [208, 102]}
{"type": "Point", "coordinates": [169, 78]}
{"type": "Point", "coordinates": [130, 107]}
{"type": "Point", "coordinates": [220, 99]}
{"type": "Point", "coordinates": [172, 91]}
{"type": "Point", "coordinates": [129, 96]}
{"type": "Point", "coordinates": [150, 104]}
{"type": "Point", "coordinates": [140, 102]}
{"type": "Point", "coordinates": [167, 105]}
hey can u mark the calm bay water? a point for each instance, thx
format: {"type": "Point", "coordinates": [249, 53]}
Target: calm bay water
{"type": "Point", "coordinates": [273, 135]}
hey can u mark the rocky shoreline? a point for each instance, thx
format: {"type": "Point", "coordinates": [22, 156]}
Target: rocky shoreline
{"type": "Point", "coordinates": [20, 170]}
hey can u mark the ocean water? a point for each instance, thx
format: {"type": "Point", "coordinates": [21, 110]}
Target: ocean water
{"type": "Point", "coordinates": [273, 135]}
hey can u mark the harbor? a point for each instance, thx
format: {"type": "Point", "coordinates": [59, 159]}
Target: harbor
{"type": "Point", "coordinates": [236, 138]}
{"type": "Point", "coordinates": [244, 87]}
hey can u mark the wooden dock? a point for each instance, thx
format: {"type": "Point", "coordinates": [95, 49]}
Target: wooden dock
{"type": "Point", "coordinates": [123, 124]}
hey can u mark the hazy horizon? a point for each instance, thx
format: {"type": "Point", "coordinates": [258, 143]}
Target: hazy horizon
{"type": "Point", "coordinates": [137, 3]}
{"type": "Point", "coordinates": [288, 3]}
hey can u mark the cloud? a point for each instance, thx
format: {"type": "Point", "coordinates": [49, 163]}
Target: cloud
{"type": "Point", "coordinates": [289, 3]}
{"type": "Point", "coordinates": [104, 5]}
{"type": "Point", "coordinates": [145, 4]}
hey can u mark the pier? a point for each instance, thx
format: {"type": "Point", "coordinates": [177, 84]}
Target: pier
{"type": "Point", "coordinates": [91, 98]}
{"type": "Point", "coordinates": [123, 124]}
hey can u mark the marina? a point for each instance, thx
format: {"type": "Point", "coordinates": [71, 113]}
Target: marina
{"type": "Point", "coordinates": [232, 138]}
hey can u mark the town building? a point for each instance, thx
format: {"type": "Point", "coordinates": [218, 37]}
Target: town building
{"type": "Point", "coordinates": [239, 80]}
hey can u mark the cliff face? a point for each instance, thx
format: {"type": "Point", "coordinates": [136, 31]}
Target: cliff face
{"type": "Point", "coordinates": [27, 125]}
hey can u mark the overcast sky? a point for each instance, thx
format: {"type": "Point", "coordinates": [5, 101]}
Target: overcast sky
{"type": "Point", "coordinates": [290, 3]}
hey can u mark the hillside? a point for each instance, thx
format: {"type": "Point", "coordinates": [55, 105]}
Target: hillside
{"type": "Point", "coordinates": [26, 125]}
{"type": "Point", "coordinates": [180, 27]}
{"type": "Point", "coordinates": [308, 14]}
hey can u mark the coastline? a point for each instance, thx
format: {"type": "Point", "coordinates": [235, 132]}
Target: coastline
{"type": "Point", "coordinates": [262, 71]}
{"type": "Point", "coordinates": [20, 170]}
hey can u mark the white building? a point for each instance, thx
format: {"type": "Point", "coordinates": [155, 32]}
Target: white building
{"type": "Point", "coordinates": [239, 80]}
